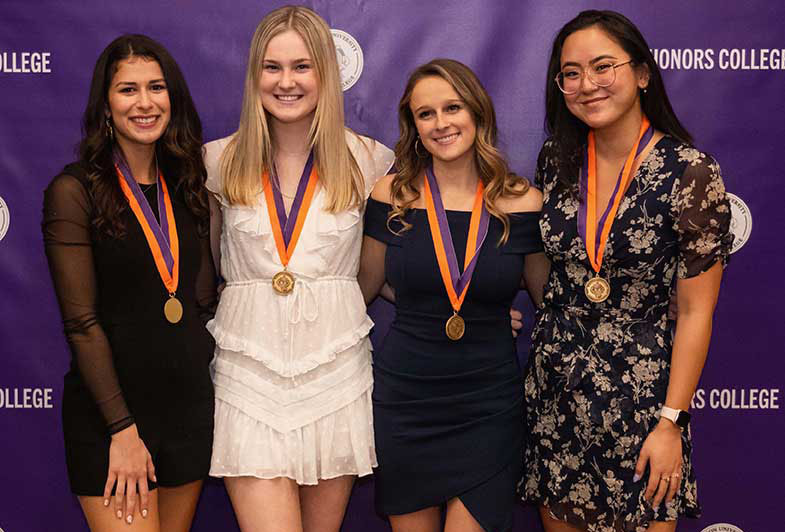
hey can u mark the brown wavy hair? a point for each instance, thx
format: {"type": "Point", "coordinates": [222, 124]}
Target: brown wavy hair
{"type": "Point", "coordinates": [493, 170]}
{"type": "Point", "coordinates": [179, 150]}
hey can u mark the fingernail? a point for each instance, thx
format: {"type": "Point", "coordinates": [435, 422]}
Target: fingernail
{"type": "Point", "coordinates": [106, 502]}
{"type": "Point", "coordinates": [144, 512]}
{"type": "Point", "coordinates": [636, 477]}
{"type": "Point", "coordinates": [155, 479]}
{"type": "Point", "coordinates": [129, 519]}
{"type": "Point", "coordinates": [119, 514]}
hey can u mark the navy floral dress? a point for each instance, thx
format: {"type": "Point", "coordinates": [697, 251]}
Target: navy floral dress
{"type": "Point", "coordinates": [598, 373]}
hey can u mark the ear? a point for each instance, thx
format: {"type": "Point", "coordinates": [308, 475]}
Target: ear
{"type": "Point", "coordinates": [643, 76]}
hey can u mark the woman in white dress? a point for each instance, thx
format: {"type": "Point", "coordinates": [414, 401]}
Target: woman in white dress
{"type": "Point", "coordinates": [293, 425]}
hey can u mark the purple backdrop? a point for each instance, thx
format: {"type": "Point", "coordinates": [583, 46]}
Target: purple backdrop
{"type": "Point", "coordinates": [725, 71]}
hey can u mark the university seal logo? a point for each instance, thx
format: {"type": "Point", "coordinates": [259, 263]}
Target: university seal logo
{"type": "Point", "coordinates": [5, 221]}
{"type": "Point", "coordinates": [350, 58]}
{"type": "Point", "coordinates": [741, 221]}
{"type": "Point", "coordinates": [722, 527]}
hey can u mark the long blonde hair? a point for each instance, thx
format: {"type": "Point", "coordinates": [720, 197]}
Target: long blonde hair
{"type": "Point", "coordinates": [410, 165]}
{"type": "Point", "coordinates": [250, 151]}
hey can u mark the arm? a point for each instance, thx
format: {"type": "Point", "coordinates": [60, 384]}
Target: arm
{"type": "Point", "coordinates": [68, 247]}
{"type": "Point", "coordinates": [216, 223]}
{"type": "Point", "coordinates": [702, 221]}
{"type": "Point", "coordinates": [206, 294]}
{"type": "Point", "coordinates": [696, 299]}
{"type": "Point", "coordinates": [372, 275]}
{"type": "Point", "coordinates": [535, 274]}
{"type": "Point", "coordinates": [388, 293]}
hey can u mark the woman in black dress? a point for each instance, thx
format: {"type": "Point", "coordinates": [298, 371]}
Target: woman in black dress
{"type": "Point", "coordinates": [631, 211]}
{"type": "Point", "coordinates": [126, 236]}
{"type": "Point", "coordinates": [447, 395]}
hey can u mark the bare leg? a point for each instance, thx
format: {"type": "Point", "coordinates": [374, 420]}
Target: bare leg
{"type": "Point", "coordinates": [265, 505]}
{"type": "Point", "coordinates": [554, 525]}
{"type": "Point", "coordinates": [459, 519]}
{"type": "Point", "coordinates": [324, 504]}
{"type": "Point", "coordinates": [103, 519]}
{"type": "Point", "coordinates": [426, 520]}
{"type": "Point", "coordinates": [176, 506]}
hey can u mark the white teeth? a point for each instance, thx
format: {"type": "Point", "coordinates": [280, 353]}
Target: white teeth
{"type": "Point", "coordinates": [447, 139]}
{"type": "Point", "coordinates": [287, 98]}
{"type": "Point", "coordinates": [148, 120]}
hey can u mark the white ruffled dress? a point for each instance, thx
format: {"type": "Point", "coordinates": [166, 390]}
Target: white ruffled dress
{"type": "Point", "coordinates": [292, 373]}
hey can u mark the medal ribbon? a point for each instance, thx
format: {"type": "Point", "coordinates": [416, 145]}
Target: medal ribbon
{"type": "Point", "coordinates": [456, 284]}
{"type": "Point", "coordinates": [594, 233]}
{"type": "Point", "coordinates": [287, 229]}
{"type": "Point", "coordinates": [161, 237]}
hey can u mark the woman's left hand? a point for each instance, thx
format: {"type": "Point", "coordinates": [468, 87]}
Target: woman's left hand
{"type": "Point", "coordinates": [662, 451]}
{"type": "Point", "coordinates": [516, 321]}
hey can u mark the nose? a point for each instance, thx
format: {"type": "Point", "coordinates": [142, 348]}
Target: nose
{"type": "Point", "coordinates": [287, 79]}
{"type": "Point", "coordinates": [587, 85]}
{"type": "Point", "coordinates": [441, 121]}
{"type": "Point", "coordinates": [144, 101]}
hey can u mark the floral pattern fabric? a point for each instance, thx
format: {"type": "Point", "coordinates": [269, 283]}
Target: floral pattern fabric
{"type": "Point", "coordinates": [598, 372]}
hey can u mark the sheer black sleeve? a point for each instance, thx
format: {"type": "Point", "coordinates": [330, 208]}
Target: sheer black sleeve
{"type": "Point", "coordinates": [703, 215]}
{"type": "Point", "coordinates": [206, 294]}
{"type": "Point", "coordinates": [68, 246]}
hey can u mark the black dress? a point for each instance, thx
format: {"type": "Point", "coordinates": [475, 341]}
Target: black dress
{"type": "Point", "coordinates": [598, 372]}
{"type": "Point", "coordinates": [128, 363]}
{"type": "Point", "coordinates": [447, 413]}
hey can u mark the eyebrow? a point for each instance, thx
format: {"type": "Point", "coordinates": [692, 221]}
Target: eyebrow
{"type": "Point", "coordinates": [598, 58]}
{"type": "Point", "coordinates": [133, 83]}
{"type": "Point", "coordinates": [448, 102]}
{"type": "Point", "coordinates": [296, 61]}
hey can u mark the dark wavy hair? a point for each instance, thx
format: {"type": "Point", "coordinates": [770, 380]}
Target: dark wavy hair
{"type": "Point", "coordinates": [179, 150]}
{"type": "Point", "coordinates": [567, 132]}
{"type": "Point", "coordinates": [494, 172]}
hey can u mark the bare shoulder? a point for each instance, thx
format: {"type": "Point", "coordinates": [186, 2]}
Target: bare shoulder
{"type": "Point", "coordinates": [381, 190]}
{"type": "Point", "coordinates": [529, 201]}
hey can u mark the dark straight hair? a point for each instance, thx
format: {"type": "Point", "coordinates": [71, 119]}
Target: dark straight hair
{"type": "Point", "coordinates": [567, 132]}
{"type": "Point", "coordinates": [179, 150]}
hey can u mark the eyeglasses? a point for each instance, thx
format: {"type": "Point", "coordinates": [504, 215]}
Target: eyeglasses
{"type": "Point", "coordinates": [602, 74]}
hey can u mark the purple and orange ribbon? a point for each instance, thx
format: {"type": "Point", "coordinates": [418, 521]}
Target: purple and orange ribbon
{"type": "Point", "coordinates": [161, 237]}
{"type": "Point", "coordinates": [595, 234]}
{"type": "Point", "coordinates": [457, 284]}
{"type": "Point", "coordinates": [287, 229]}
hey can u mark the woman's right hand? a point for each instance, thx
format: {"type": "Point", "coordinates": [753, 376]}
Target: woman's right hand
{"type": "Point", "coordinates": [130, 465]}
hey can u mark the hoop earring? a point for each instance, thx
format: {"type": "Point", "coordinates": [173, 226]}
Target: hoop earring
{"type": "Point", "coordinates": [109, 128]}
{"type": "Point", "coordinates": [417, 143]}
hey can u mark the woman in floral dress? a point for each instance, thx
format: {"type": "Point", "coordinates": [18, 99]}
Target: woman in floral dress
{"type": "Point", "coordinates": [632, 211]}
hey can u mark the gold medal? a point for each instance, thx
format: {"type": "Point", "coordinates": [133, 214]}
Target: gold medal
{"type": "Point", "coordinates": [597, 289]}
{"type": "Point", "coordinates": [455, 327]}
{"type": "Point", "coordinates": [173, 309]}
{"type": "Point", "coordinates": [283, 283]}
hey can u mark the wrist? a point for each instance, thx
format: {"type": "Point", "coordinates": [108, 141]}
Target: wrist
{"type": "Point", "coordinates": [679, 418]}
{"type": "Point", "coordinates": [128, 433]}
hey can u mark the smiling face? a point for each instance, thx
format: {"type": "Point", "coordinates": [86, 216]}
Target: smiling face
{"type": "Point", "coordinates": [443, 120]}
{"type": "Point", "coordinates": [138, 102]}
{"type": "Point", "coordinates": [288, 84]}
{"type": "Point", "coordinates": [599, 107]}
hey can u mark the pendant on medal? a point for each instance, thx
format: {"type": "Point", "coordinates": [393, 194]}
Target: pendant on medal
{"type": "Point", "coordinates": [173, 310]}
{"type": "Point", "coordinates": [597, 289]}
{"type": "Point", "coordinates": [283, 283]}
{"type": "Point", "coordinates": [455, 327]}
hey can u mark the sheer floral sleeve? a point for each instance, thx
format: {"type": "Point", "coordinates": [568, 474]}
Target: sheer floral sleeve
{"type": "Point", "coordinates": [702, 215]}
{"type": "Point", "coordinates": [68, 246]}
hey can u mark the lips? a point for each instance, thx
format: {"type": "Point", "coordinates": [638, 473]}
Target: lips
{"type": "Point", "coordinates": [144, 121]}
{"type": "Point", "coordinates": [288, 98]}
{"type": "Point", "coordinates": [594, 100]}
{"type": "Point", "coordinates": [449, 139]}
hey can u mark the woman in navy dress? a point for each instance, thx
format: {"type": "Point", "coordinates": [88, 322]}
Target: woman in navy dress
{"type": "Point", "coordinates": [447, 395]}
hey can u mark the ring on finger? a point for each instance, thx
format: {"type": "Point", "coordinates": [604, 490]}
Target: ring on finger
{"type": "Point", "coordinates": [665, 479]}
{"type": "Point", "coordinates": [675, 475]}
